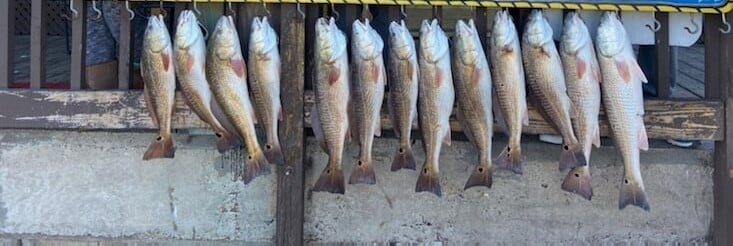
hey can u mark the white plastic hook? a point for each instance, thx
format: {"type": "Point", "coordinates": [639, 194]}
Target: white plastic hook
{"type": "Point", "coordinates": [727, 25]}
{"type": "Point", "coordinates": [73, 10]}
{"type": "Point", "coordinates": [96, 10]}
{"type": "Point", "coordinates": [132, 13]}
{"type": "Point", "coordinates": [696, 27]}
{"type": "Point", "coordinates": [657, 24]}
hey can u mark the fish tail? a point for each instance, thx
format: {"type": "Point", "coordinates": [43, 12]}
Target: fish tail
{"type": "Point", "coordinates": [274, 154]}
{"type": "Point", "coordinates": [511, 159]}
{"type": "Point", "coordinates": [331, 180]}
{"type": "Point", "coordinates": [578, 182]}
{"type": "Point", "coordinates": [363, 173]}
{"type": "Point", "coordinates": [224, 141]}
{"type": "Point", "coordinates": [403, 158]}
{"type": "Point", "coordinates": [162, 147]}
{"type": "Point", "coordinates": [481, 176]}
{"type": "Point", "coordinates": [572, 156]}
{"type": "Point", "coordinates": [429, 180]}
{"type": "Point", "coordinates": [632, 194]}
{"type": "Point", "coordinates": [255, 165]}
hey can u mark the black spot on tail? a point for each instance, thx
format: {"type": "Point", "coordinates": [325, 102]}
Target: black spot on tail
{"type": "Point", "coordinates": [363, 173]}
{"type": "Point", "coordinates": [481, 176]}
{"type": "Point", "coordinates": [255, 165]}
{"type": "Point", "coordinates": [632, 194]}
{"type": "Point", "coordinates": [403, 158]}
{"type": "Point", "coordinates": [428, 181]}
{"type": "Point", "coordinates": [161, 147]}
{"type": "Point", "coordinates": [511, 159]}
{"type": "Point", "coordinates": [331, 180]}
{"type": "Point", "coordinates": [578, 181]}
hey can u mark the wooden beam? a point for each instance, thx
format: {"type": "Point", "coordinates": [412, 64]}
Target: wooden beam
{"type": "Point", "coordinates": [663, 57]}
{"type": "Point", "coordinates": [38, 43]}
{"type": "Point", "coordinates": [7, 47]}
{"type": "Point", "coordinates": [126, 110]}
{"type": "Point", "coordinates": [78, 46]}
{"type": "Point", "coordinates": [719, 85]}
{"type": "Point", "coordinates": [291, 177]}
{"type": "Point", "coordinates": [123, 49]}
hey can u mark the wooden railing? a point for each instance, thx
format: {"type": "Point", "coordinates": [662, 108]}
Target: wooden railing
{"type": "Point", "coordinates": [123, 108]}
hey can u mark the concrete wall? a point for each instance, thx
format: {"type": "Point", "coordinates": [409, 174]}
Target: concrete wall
{"type": "Point", "coordinates": [94, 184]}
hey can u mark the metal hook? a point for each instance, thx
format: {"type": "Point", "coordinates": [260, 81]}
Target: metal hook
{"type": "Point", "coordinates": [96, 10]}
{"type": "Point", "coordinates": [73, 11]}
{"type": "Point", "coordinates": [657, 24]}
{"type": "Point", "coordinates": [132, 13]}
{"type": "Point", "coordinates": [727, 25]}
{"type": "Point", "coordinates": [196, 9]}
{"type": "Point", "coordinates": [365, 13]}
{"type": "Point", "coordinates": [695, 25]}
{"type": "Point", "coordinates": [230, 9]}
{"type": "Point", "coordinates": [403, 14]}
{"type": "Point", "coordinates": [162, 10]}
{"type": "Point", "coordinates": [264, 6]}
{"type": "Point", "coordinates": [300, 11]}
{"type": "Point", "coordinates": [335, 13]}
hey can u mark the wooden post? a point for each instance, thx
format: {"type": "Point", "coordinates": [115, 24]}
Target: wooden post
{"type": "Point", "coordinates": [38, 43]}
{"type": "Point", "coordinates": [78, 46]}
{"type": "Point", "coordinates": [719, 85]}
{"type": "Point", "coordinates": [123, 49]}
{"type": "Point", "coordinates": [291, 176]}
{"type": "Point", "coordinates": [7, 47]}
{"type": "Point", "coordinates": [663, 62]}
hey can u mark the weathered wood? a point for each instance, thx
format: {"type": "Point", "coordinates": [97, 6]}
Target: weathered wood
{"type": "Point", "coordinates": [7, 48]}
{"type": "Point", "coordinates": [291, 176]}
{"type": "Point", "coordinates": [38, 43]}
{"type": "Point", "coordinates": [78, 46]}
{"type": "Point", "coordinates": [719, 85]}
{"type": "Point", "coordinates": [123, 49]}
{"type": "Point", "coordinates": [126, 110]}
{"type": "Point", "coordinates": [663, 53]}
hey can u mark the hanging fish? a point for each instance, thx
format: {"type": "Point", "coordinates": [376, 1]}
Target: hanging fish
{"type": "Point", "coordinates": [402, 100]}
{"type": "Point", "coordinates": [510, 104]}
{"type": "Point", "coordinates": [623, 101]}
{"type": "Point", "coordinates": [547, 83]}
{"type": "Point", "coordinates": [329, 116]}
{"type": "Point", "coordinates": [160, 85]}
{"type": "Point", "coordinates": [190, 55]}
{"type": "Point", "coordinates": [227, 76]}
{"type": "Point", "coordinates": [473, 93]}
{"type": "Point", "coordinates": [367, 95]}
{"type": "Point", "coordinates": [435, 105]}
{"type": "Point", "coordinates": [264, 81]}
{"type": "Point", "coordinates": [582, 75]}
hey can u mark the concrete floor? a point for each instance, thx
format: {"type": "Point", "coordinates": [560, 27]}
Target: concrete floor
{"type": "Point", "coordinates": [82, 185]}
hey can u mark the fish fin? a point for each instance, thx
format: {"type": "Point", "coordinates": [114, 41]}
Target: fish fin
{"type": "Point", "coordinates": [238, 66]}
{"type": "Point", "coordinates": [499, 117]}
{"type": "Point", "coordinates": [254, 166]}
{"type": "Point", "coordinates": [481, 176]}
{"type": "Point", "coordinates": [190, 62]}
{"type": "Point", "coordinates": [280, 113]}
{"type": "Point", "coordinates": [476, 75]}
{"type": "Point", "coordinates": [643, 140]}
{"type": "Point", "coordinates": [578, 181]}
{"type": "Point", "coordinates": [510, 159]}
{"type": "Point", "coordinates": [348, 135]}
{"type": "Point", "coordinates": [224, 141]}
{"type": "Point", "coordinates": [378, 128]}
{"type": "Point", "coordinates": [636, 69]}
{"type": "Point", "coordinates": [632, 194]}
{"type": "Point", "coordinates": [596, 68]}
{"type": "Point", "coordinates": [363, 173]}
{"type": "Point", "coordinates": [447, 138]}
{"type": "Point", "coordinates": [508, 48]}
{"type": "Point", "coordinates": [375, 72]}
{"type": "Point", "coordinates": [580, 66]}
{"type": "Point", "coordinates": [623, 70]}
{"type": "Point", "coordinates": [429, 180]}
{"type": "Point", "coordinates": [525, 116]}
{"type": "Point", "coordinates": [597, 137]}
{"type": "Point", "coordinates": [403, 158]}
{"type": "Point", "coordinates": [463, 122]}
{"type": "Point", "coordinates": [149, 105]}
{"type": "Point", "coordinates": [549, 50]}
{"type": "Point", "coordinates": [438, 76]}
{"type": "Point", "coordinates": [274, 154]}
{"type": "Point", "coordinates": [333, 74]}
{"type": "Point", "coordinates": [572, 156]}
{"type": "Point", "coordinates": [161, 147]}
{"type": "Point", "coordinates": [166, 58]}
{"type": "Point", "coordinates": [316, 126]}
{"type": "Point", "coordinates": [219, 115]}
{"type": "Point", "coordinates": [331, 180]}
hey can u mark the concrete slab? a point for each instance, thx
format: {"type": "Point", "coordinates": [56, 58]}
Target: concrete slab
{"type": "Point", "coordinates": [531, 208]}
{"type": "Point", "coordinates": [95, 184]}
